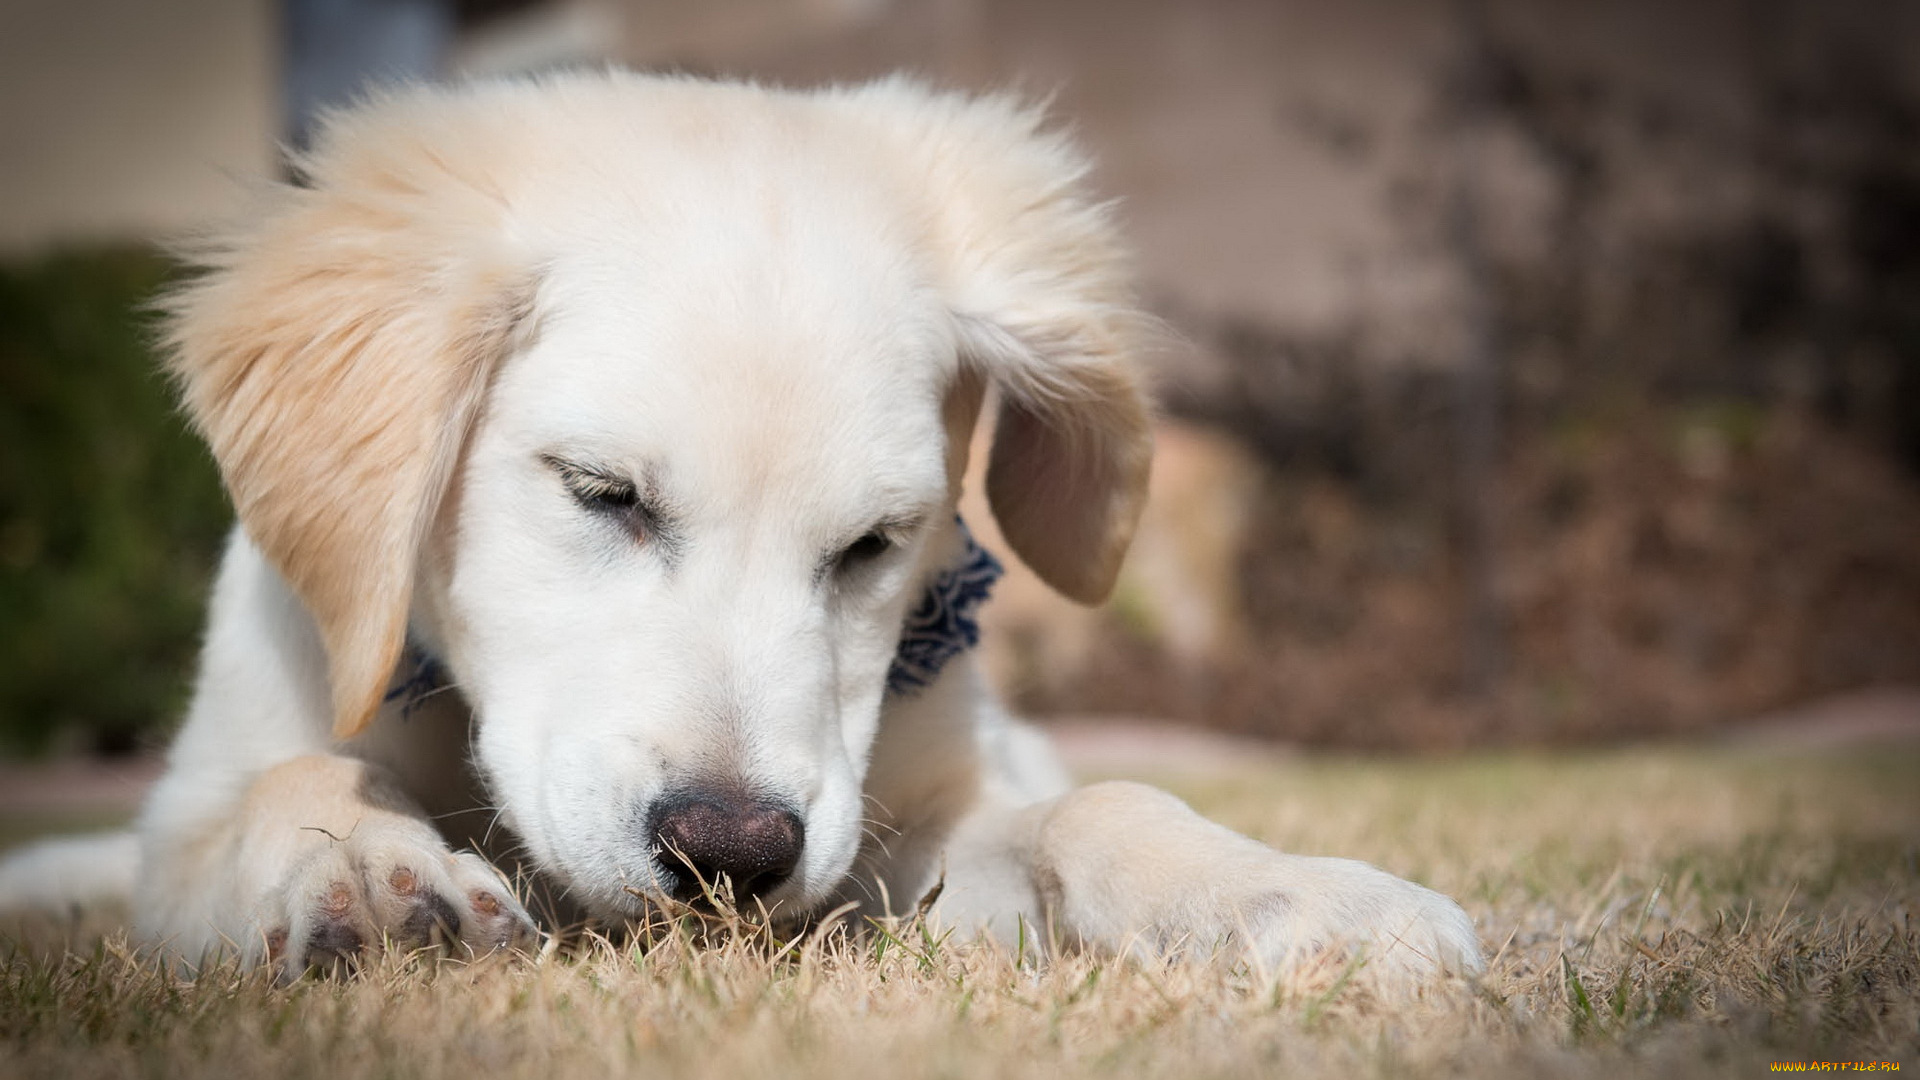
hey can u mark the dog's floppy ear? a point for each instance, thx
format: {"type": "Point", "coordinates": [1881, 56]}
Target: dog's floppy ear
{"type": "Point", "coordinates": [1041, 291]}
{"type": "Point", "coordinates": [332, 352]}
{"type": "Point", "coordinates": [1067, 475]}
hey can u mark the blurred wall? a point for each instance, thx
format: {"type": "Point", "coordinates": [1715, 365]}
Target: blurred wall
{"type": "Point", "coordinates": [128, 119]}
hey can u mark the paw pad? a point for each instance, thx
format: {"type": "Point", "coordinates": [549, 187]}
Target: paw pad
{"type": "Point", "coordinates": [338, 901]}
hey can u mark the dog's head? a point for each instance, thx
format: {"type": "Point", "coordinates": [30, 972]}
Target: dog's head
{"type": "Point", "coordinates": [643, 404]}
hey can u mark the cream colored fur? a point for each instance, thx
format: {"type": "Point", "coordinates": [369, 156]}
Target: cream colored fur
{"type": "Point", "coordinates": [775, 318]}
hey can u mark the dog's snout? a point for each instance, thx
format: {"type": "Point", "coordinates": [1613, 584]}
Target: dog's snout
{"type": "Point", "coordinates": [701, 837]}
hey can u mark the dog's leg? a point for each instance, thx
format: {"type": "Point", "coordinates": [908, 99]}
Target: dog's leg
{"type": "Point", "coordinates": [265, 840]}
{"type": "Point", "coordinates": [1121, 863]}
{"type": "Point", "coordinates": [70, 873]}
{"type": "Point", "coordinates": [1123, 867]}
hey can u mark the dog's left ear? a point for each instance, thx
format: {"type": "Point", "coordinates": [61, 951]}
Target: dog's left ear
{"type": "Point", "coordinates": [332, 353]}
{"type": "Point", "coordinates": [1041, 291]}
{"type": "Point", "coordinates": [1072, 447]}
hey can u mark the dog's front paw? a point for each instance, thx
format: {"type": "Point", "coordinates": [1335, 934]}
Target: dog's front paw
{"type": "Point", "coordinates": [1129, 867]}
{"type": "Point", "coordinates": [390, 883]}
{"type": "Point", "coordinates": [326, 862]}
{"type": "Point", "coordinates": [1293, 909]}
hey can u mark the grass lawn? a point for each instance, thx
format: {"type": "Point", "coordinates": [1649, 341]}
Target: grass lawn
{"type": "Point", "coordinates": [1655, 912]}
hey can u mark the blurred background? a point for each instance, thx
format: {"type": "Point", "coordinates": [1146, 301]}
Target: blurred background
{"type": "Point", "coordinates": [1549, 370]}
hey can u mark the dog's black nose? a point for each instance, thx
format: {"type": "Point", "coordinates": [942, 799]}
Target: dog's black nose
{"type": "Point", "coordinates": [704, 836]}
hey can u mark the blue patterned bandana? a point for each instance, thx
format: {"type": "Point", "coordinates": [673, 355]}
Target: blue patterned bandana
{"type": "Point", "coordinates": [940, 627]}
{"type": "Point", "coordinates": [426, 679]}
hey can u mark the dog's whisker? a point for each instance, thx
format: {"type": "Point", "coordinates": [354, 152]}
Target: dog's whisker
{"type": "Point", "coordinates": [493, 822]}
{"type": "Point", "coordinates": [873, 824]}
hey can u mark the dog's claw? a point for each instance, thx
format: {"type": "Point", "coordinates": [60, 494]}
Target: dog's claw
{"type": "Point", "coordinates": [334, 948]}
{"type": "Point", "coordinates": [432, 922]}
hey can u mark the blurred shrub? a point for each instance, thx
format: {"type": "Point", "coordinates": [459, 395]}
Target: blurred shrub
{"type": "Point", "coordinates": [111, 512]}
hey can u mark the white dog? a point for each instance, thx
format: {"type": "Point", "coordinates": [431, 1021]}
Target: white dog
{"type": "Point", "coordinates": [593, 441]}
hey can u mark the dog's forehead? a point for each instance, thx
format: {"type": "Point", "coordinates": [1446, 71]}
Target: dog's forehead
{"type": "Point", "coordinates": [747, 362]}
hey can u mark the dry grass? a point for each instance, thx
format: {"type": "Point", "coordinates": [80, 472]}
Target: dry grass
{"type": "Point", "coordinates": [1679, 913]}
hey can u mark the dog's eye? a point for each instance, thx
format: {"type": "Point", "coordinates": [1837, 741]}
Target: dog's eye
{"type": "Point", "coordinates": [597, 491]}
{"type": "Point", "coordinates": [602, 493]}
{"type": "Point", "coordinates": [599, 495]}
{"type": "Point", "coordinates": [865, 550]}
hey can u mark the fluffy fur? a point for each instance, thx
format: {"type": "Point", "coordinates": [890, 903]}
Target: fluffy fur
{"type": "Point", "coordinates": [766, 322]}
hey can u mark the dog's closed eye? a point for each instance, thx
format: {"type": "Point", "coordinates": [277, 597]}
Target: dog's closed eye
{"type": "Point", "coordinates": [865, 550]}
{"type": "Point", "coordinates": [609, 495]}
{"type": "Point", "coordinates": [872, 546]}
